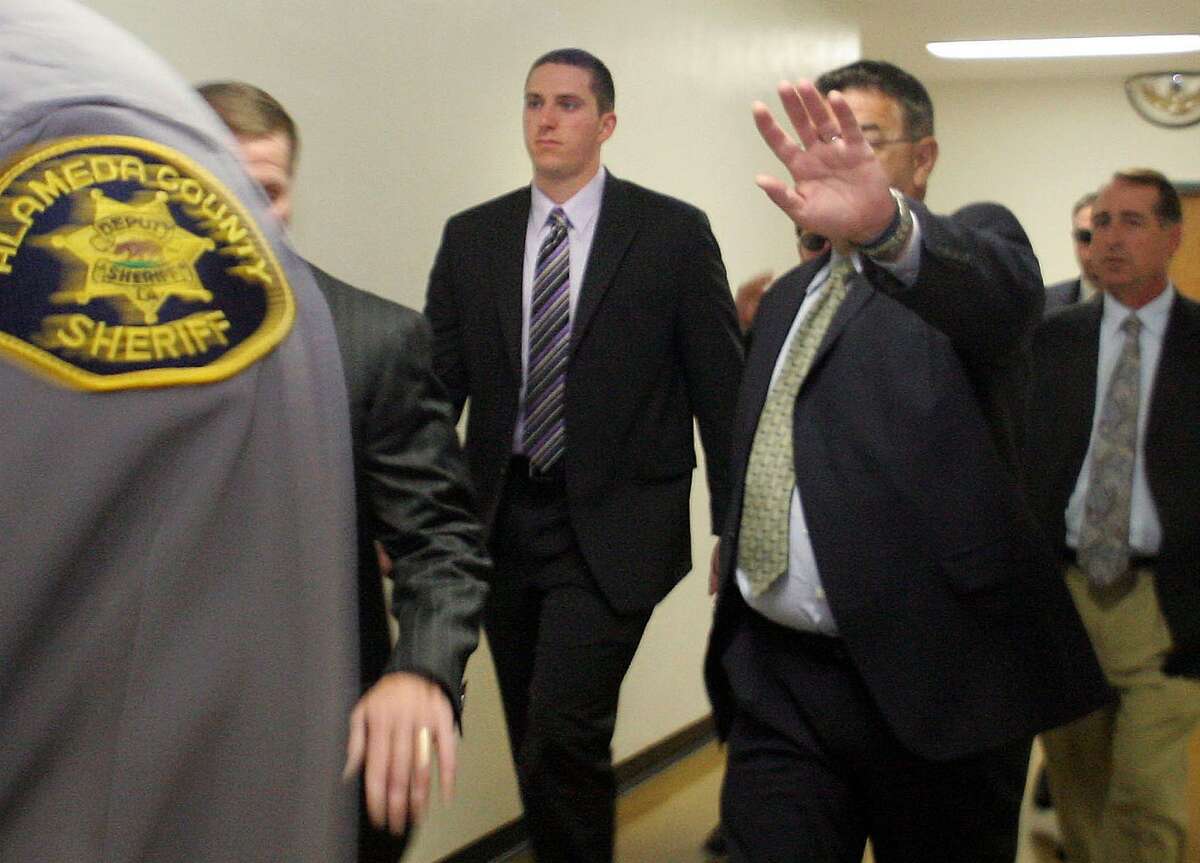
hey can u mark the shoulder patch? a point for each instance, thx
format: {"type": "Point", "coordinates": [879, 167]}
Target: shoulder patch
{"type": "Point", "coordinates": [125, 264]}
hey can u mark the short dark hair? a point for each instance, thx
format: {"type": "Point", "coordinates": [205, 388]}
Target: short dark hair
{"type": "Point", "coordinates": [1169, 209]}
{"type": "Point", "coordinates": [1086, 201]}
{"type": "Point", "coordinates": [892, 81]}
{"type": "Point", "coordinates": [602, 82]}
{"type": "Point", "coordinates": [251, 112]}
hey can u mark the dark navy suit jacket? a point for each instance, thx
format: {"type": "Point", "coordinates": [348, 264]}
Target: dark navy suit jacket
{"type": "Point", "coordinates": [905, 456]}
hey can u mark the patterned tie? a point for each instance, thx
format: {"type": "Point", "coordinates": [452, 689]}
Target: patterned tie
{"type": "Point", "coordinates": [1104, 533]}
{"type": "Point", "coordinates": [549, 344]}
{"type": "Point", "coordinates": [770, 475]}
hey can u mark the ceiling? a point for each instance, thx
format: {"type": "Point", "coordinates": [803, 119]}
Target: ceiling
{"type": "Point", "coordinates": [897, 30]}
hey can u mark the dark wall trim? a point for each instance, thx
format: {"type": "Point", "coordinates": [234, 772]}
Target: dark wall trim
{"type": "Point", "coordinates": [512, 837]}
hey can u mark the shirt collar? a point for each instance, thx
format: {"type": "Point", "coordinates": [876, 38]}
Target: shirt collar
{"type": "Point", "coordinates": [581, 208]}
{"type": "Point", "coordinates": [1153, 315]}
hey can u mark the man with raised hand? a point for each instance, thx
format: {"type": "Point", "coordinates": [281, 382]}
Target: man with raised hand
{"type": "Point", "coordinates": [889, 635]}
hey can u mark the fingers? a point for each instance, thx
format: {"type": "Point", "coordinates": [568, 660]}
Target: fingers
{"type": "Point", "coordinates": [356, 744]}
{"type": "Point", "coordinates": [795, 105]}
{"type": "Point", "coordinates": [784, 196]}
{"type": "Point", "coordinates": [847, 122]}
{"type": "Point", "coordinates": [828, 129]}
{"type": "Point", "coordinates": [395, 730]}
{"type": "Point", "coordinates": [418, 779]}
{"type": "Point", "coordinates": [447, 753]}
{"type": "Point", "coordinates": [778, 140]}
{"type": "Point", "coordinates": [376, 777]}
{"type": "Point", "coordinates": [400, 775]}
{"type": "Point", "coordinates": [818, 119]}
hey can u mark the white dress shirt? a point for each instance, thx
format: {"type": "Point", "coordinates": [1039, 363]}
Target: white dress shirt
{"type": "Point", "coordinates": [797, 598]}
{"type": "Point", "coordinates": [1145, 530]}
{"type": "Point", "coordinates": [582, 210]}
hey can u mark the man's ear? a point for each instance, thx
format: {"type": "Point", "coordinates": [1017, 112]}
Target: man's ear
{"type": "Point", "coordinates": [1176, 239]}
{"type": "Point", "coordinates": [608, 125]}
{"type": "Point", "coordinates": [925, 153]}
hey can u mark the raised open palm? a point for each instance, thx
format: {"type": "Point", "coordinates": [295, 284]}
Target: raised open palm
{"type": "Point", "coordinates": [838, 188]}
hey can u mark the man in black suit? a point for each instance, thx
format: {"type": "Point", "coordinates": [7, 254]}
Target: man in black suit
{"type": "Point", "coordinates": [587, 320]}
{"type": "Point", "coordinates": [1114, 464]}
{"type": "Point", "coordinates": [888, 633]}
{"type": "Point", "coordinates": [1080, 289]}
{"type": "Point", "coordinates": [414, 515]}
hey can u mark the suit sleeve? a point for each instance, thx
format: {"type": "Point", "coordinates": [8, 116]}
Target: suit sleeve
{"type": "Point", "coordinates": [423, 511]}
{"type": "Point", "coordinates": [713, 356]}
{"type": "Point", "coordinates": [978, 282]}
{"type": "Point", "coordinates": [445, 318]}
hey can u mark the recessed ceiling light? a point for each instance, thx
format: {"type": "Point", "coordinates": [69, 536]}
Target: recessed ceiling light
{"type": "Point", "coordinates": [1092, 46]}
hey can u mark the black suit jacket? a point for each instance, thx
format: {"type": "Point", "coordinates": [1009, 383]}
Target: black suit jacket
{"type": "Point", "coordinates": [905, 460]}
{"type": "Point", "coordinates": [411, 494]}
{"type": "Point", "coordinates": [654, 343]}
{"type": "Point", "coordinates": [1066, 352]}
{"type": "Point", "coordinates": [1063, 294]}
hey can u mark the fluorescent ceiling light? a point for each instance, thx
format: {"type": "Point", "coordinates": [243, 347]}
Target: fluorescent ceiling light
{"type": "Point", "coordinates": [1092, 46]}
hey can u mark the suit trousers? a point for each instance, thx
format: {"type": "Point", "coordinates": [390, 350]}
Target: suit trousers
{"type": "Point", "coordinates": [1119, 775]}
{"type": "Point", "coordinates": [813, 769]}
{"type": "Point", "coordinates": [561, 653]}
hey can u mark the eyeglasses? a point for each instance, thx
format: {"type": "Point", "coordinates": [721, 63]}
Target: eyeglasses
{"type": "Point", "coordinates": [1082, 235]}
{"type": "Point", "coordinates": [811, 242]}
{"type": "Point", "coordinates": [887, 142]}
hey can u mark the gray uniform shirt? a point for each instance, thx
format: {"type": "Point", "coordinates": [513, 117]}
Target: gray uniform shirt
{"type": "Point", "coordinates": [177, 604]}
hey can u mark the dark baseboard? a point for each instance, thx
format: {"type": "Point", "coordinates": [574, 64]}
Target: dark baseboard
{"type": "Point", "coordinates": [652, 760]}
{"type": "Point", "coordinates": [512, 837]}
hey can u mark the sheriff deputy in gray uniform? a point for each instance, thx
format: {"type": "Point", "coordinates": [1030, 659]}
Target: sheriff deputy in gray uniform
{"type": "Point", "coordinates": [177, 597]}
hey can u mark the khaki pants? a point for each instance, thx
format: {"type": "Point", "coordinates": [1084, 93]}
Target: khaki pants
{"type": "Point", "coordinates": [1119, 775]}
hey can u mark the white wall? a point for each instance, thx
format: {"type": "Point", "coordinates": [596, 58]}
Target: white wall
{"type": "Point", "coordinates": [1038, 145]}
{"type": "Point", "coordinates": [410, 111]}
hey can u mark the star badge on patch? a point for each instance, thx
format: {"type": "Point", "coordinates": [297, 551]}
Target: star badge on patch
{"type": "Point", "coordinates": [125, 264]}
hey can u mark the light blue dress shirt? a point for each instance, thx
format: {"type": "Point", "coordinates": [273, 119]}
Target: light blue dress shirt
{"type": "Point", "coordinates": [797, 599]}
{"type": "Point", "coordinates": [1145, 530]}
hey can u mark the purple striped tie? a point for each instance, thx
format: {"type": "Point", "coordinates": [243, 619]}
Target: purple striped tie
{"type": "Point", "coordinates": [549, 344]}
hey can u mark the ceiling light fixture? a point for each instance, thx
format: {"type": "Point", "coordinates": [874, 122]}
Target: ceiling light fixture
{"type": "Point", "coordinates": [1091, 46]}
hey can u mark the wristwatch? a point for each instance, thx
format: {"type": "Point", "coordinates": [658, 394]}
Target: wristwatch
{"type": "Point", "coordinates": [888, 245]}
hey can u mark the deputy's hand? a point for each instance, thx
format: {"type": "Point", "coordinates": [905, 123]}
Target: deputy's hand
{"type": "Point", "coordinates": [395, 729]}
{"type": "Point", "coordinates": [838, 187]}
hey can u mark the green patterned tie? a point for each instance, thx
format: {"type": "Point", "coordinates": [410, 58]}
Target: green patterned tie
{"type": "Point", "coordinates": [770, 475]}
{"type": "Point", "coordinates": [1104, 533]}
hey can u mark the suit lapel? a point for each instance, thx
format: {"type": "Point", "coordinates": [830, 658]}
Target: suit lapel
{"type": "Point", "coordinates": [508, 265]}
{"type": "Point", "coordinates": [1177, 373]}
{"type": "Point", "coordinates": [860, 290]}
{"type": "Point", "coordinates": [770, 332]}
{"type": "Point", "coordinates": [615, 228]}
